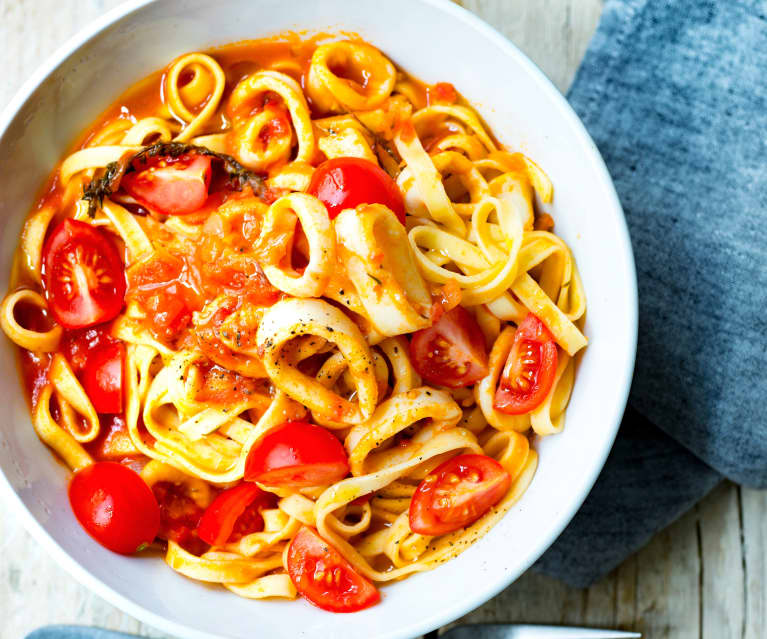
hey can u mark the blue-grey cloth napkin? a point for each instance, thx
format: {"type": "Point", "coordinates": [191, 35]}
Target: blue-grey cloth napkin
{"type": "Point", "coordinates": [674, 94]}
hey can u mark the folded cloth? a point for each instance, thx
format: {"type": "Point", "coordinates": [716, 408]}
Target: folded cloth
{"type": "Point", "coordinates": [673, 93]}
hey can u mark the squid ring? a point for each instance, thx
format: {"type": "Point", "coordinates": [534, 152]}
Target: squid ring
{"type": "Point", "coordinates": [293, 318]}
{"type": "Point", "coordinates": [281, 218]}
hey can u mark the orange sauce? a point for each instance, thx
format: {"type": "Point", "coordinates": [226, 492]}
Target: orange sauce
{"type": "Point", "coordinates": [193, 273]}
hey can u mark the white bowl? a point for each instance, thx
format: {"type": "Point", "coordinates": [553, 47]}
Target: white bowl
{"type": "Point", "coordinates": [434, 40]}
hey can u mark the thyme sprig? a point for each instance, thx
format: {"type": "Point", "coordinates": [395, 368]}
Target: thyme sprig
{"type": "Point", "coordinates": [108, 182]}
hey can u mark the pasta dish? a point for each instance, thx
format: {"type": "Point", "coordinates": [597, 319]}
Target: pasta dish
{"type": "Point", "coordinates": [295, 320]}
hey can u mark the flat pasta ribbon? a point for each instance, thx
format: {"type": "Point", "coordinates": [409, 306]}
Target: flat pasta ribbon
{"type": "Point", "coordinates": [204, 90]}
{"type": "Point", "coordinates": [30, 339]}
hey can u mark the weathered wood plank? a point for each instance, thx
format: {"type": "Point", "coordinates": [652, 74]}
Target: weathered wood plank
{"type": "Point", "coordinates": [553, 33]}
{"type": "Point", "coordinates": [753, 505]}
{"type": "Point", "coordinates": [723, 591]}
{"type": "Point", "coordinates": [626, 576]}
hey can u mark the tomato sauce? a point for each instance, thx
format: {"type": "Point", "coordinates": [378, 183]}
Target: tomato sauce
{"type": "Point", "coordinates": [186, 274]}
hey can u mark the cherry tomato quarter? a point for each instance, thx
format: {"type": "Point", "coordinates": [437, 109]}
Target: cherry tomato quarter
{"type": "Point", "coordinates": [345, 183]}
{"type": "Point", "coordinates": [171, 186]}
{"type": "Point", "coordinates": [83, 275]}
{"type": "Point", "coordinates": [115, 506]}
{"type": "Point", "coordinates": [452, 351]}
{"type": "Point", "coordinates": [457, 493]}
{"type": "Point", "coordinates": [234, 513]}
{"type": "Point", "coordinates": [297, 454]}
{"type": "Point", "coordinates": [322, 575]}
{"type": "Point", "coordinates": [530, 369]}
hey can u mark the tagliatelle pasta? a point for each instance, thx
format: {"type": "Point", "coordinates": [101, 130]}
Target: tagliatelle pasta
{"type": "Point", "coordinates": [313, 303]}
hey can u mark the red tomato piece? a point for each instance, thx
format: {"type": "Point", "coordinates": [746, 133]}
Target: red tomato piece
{"type": "Point", "coordinates": [234, 513]}
{"type": "Point", "coordinates": [98, 361]}
{"type": "Point", "coordinates": [530, 370]}
{"type": "Point", "coordinates": [115, 506]}
{"type": "Point", "coordinates": [322, 575]}
{"type": "Point", "coordinates": [451, 352]}
{"type": "Point", "coordinates": [344, 183]}
{"type": "Point", "coordinates": [167, 288]}
{"type": "Point", "coordinates": [457, 493]}
{"type": "Point", "coordinates": [297, 454]}
{"type": "Point", "coordinates": [442, 92]}
{"type": "Point", "coordinates": [171, 186]}
{"type": "Point", "coordinates": [179, 516]}
{"type": "Point", "coordinates": [83, 275]}
{"type": "Point", "coordinates": [102, 378]}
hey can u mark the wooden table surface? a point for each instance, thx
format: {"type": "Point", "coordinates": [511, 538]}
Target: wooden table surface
{"type": "Point", "coordinates": [704, 577]}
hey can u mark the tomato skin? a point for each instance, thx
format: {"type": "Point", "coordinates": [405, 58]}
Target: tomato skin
{"type": "Point", "coordinates": [77, 297]}
{"type": "Point", "coordinates": [344, 183]}
{"type": "Point", "coordinates": [98, 361]}
{"type": "Point", "coordinates": [171, 186]}
{"type": "Point", "coordinates": [115, 506]}
{"type": "Point", "coordinates": [103, 379]}
{"type": "Point", "coordinates": [530, 369]}
{"type": "Point", "coordinates": [469, 484]}
{"type": "Point", "coordinates": [322, 575]}
{"type": "Point", "coordinates": [218, 521]}
{"type": "Point", "coordinates": [452, 351]}
{"type": "Point", "coordinates": [297, 454]}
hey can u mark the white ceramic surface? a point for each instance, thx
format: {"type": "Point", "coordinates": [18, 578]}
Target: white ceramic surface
{"type": "Point", "coordinates": [435, 40]}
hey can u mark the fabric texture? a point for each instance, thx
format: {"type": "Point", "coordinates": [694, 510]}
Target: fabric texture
{"type": "Point", "coordinates": [673, 93]}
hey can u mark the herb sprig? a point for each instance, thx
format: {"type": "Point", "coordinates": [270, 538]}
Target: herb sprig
{"type": "Point", "coordinates": [108, 182]}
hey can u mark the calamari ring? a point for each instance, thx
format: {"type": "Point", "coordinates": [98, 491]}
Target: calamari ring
{"type": "Point", "coordinates": [247, 127]}
{"type": "Point", "coordinates": [333, 93]}
{"type": "Point", "coordinates": [374, 249]}
{"type": "Point", "coordinates": [293, 318]}
{"type": "Point", "coordinates": [278, 232]}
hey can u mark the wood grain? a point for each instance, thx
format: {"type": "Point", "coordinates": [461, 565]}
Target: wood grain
{"type": "Point", "coordinates": [704, 577]}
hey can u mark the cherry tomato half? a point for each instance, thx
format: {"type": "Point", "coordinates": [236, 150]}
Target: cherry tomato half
{"type": "Point", "coordinates": [171, 186]}
{"type": "Point", "coordinates": [325, 578]}
{"type": "Point", "coordinates": [457, 493]}
{"type": "Point", "coordinates": [83, 275]}
{"type": "Point", "coordinates": [344, 183]}
{"type": "Point", "coordinates": [297, 454]}
{"type": "Point", "coordinates": [97, 360]}
{"type": "Point", "coordinates": [529, 372]}
{"type": "Point", "coordinates": [451, 352]}
{"type": "Point", "coordinates": [234, 513]}
{"type": "Point", "coordinates": [115, 506]}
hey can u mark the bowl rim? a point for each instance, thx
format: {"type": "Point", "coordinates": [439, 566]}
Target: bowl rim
{"type": "Point", "coordinates": [95, 585]}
